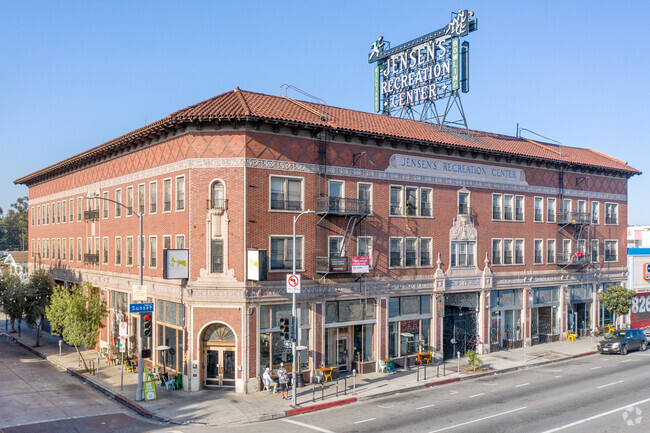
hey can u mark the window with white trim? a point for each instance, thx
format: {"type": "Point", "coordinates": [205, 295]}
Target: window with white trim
{"type": "Point", "coordinates": [180, 193]}
{"type": "Point", "coordinates": [539, 209]}
{"type": "Point", "coordinates": [64, 247]}
{"type": "Point", "coordinates": [118, 198]}
{"type": "Point", "coordinates": [141, 198]}
{"type": "Point", "coordinates": [519, 251]}
{"type": "Point", "coordinates": [282, 252]}
{"type": "Point", "coordinates": [118, 250]}
{"type": "Point", "coordinates": [497, 245]}
{"type": "Point", "coordinates": [411, 200]}
{"type": "Point", "coordinates": [364, 194]}
{"type": "Point", "coordinates": [167, 195]}
{"type": "Point", "coordinates": [105, 205]}
{"type": "Point", "coordinates": [538, 257]}
{"type": "Point", "coordinates": [519, 208]}
{"type": "Point", "coordinates": [129, 250]}
{"type": "Point", "coordinates": [153, 197]}
{"type": "Point", "coordinates": [180, 242]}
{"type": "Point", "coordinates": [508, 251]}
{"type": "Point", "coordinates": [396, 197]}
{"type": "Point", "coordinates": [364, 247]}
{"type": "Point", "coordinates": [395, 252]}
{"type": "Point", "coordinates": [129, 200]}
{"type": "Point", "coordinates": [595, 248]}
{"type": "Point", "coordinates": [595, 212]}
{"type": "Point", "coordinates": [462, 253]}
{"type": "Point", "coordinates": [64, 211]}
{"type": "Point", "coordinates": [611, 213]}
{"type": "Point", "coordinates": [464, 203]}
{"type": "Point", "coordinates": [71, 206]}
{"type": "Point", "coordinates": [153, 251]}
{"type": "Point", "coordinates": [611, 250]}
{"type": "Point", "coordinates": [497, 208]}
{"type": "Point", "coordinates": [286, 193]}
{"type": "Point", "coordinates": [335, 246]}
{"type": "Point", "coordinates": [411, 252]}
{"type": "Point", "coordinates": [71, 244]}
{"type": "Point", "coordinates": [79, 249]}
{"type": "Point", "coordinates": [167, 242]}
{"type": "Point", "coordinates": [425, 252]}
{"type": "Point", "coordinates": [105, 250]}
{"type": "Point", "coordinates": [508, 207]}
{"type": "Point", "coordinates": [550, 209]}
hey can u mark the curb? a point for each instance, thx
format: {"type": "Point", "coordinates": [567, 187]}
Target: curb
{"type": "Point", "coordinates": [319, 406]}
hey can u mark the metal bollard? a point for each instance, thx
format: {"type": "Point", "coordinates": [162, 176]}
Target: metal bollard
{"type": "Point", "coordinates": [444, 368]}
{"type": "Point", "coordinates": [345, 380]}
{"type": "Point", "coordinates": [322, 390]}
{"type": "Point", "coordinates": [458, 355]}
{"type": "Point", "coordinates": [438, 369]}
{"type": "Point", "coordinates": [337, 386]}
{"type": "Point", "coordinates": [313, 393]}
{"type": "Point", "coordinates": [425, 371]}
{"type": "Point", "coordinates": [354, 381]}
{"type": "Point", "coordinates": [60, 343]}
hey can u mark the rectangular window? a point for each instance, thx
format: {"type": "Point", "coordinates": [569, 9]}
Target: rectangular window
{"type": "Point", "coordinates": [167, 195]}
{"type": "Point", "coordinates": [496, 251]}
{"type": "Point", "coordinates": [611, 250]}
{"type": "Point", "coordinates": [105, 250]}
{"type": "Point", "coordinates": [79, 249]}
{"type": "Point", "coordinates": [58, 249]}
{"type": "Point", "coordinates": [89, 245]}
{"type": "Point", "coordinates": [64, 211]}
{"type": "Point", "coordinates": [411, 200]}
{"type": "Point", "coordinates": [463, 203]}
{"type": "Point", "coordinates": [97, 248]}
{"type": "Point", "coordinates": [153, 251]}
{"type": "Point", "coordinates": [462, 253]}
{"type": "Point", "coordinates": [33, 248]}
{"type": "Point", "coordinates": [566, 250]}
{"type": "Point", "coordinates": [180, 242]}
{"type": "Point", "coordinates": [364, 193]}
{"type": "Point", "coordinates": [47, 214]}
{"type": "Point", "coordinates": [508, 208]}
{"type": "Point", "coordinates": [64, 248]}
{"type": "Point", "coordinates": [364, 247]}
{"type": "Point", "coordinates": [336, 188]}
{"type": "Point", "coordinates": [508, 251]}
{"type": "Point", "coordinates": [519, 207]}
{"type": "Point", "coordinates": [425, 202]}
{"type": "Point", "coordinates": [395, 252]}
{"type": "Point", "coordinates": [519, 251]}
{"type": "Point", "coordinates": [496, 207]}
{"type": "Point", "coordinates": [286, 193]}
{"type": "Point", "coordinates": [567, 204]}
{"type": "Point", "coordinates": [595, 212]}
{"type": "Point", "coordinates": [335, 246]}
{"type": "Point", "coordinates": [411, 252]}
{"type": "Point", "coordinates": [594, 251]}
{"type": "Point", "coordinates": [282, 252]}
{"type": "Point", "coordinates": [167, 242]}
{"type": "Point", "coordinates": [550, 206]}
{"type": "Point", "coordinates": [58, 212]}
{"type": "Point", "coordinates": [129, 200]}
{"type": "Point", "coordinates": [38, 215]}
{"type": "Point", "coordinates": [129, 251]}
{"type": "Point", "coordinates": [611, 213]}
{"type": "Point", "coordinates": [425, 252]}
{"type": "Point", "coordinates": [581, 246]}
{"type": "Point", "coordinates": [180, 193]}
{"type": "Point", "coordinates": [47, 249]}
{"type": "Point", "coordinates": [153, 197]}
{"type": "Point", "coordinates": [105, 204]}
{"type": "Point", "coordinates": [38, 248]}
{"type": "Point", "coordinates": [141, 198]}
{"type": "Point", "coordinates": [396, 200]}
{"type": "Point", "coordinates": [217, 256]}
{"type": "Point", "coordinates": [118, 198]}
{"type": "Point", "coordinates": [539, 252]}
{"type": "Point", "coordinates": [582, 206]}
{"type": "Point", "coordinates": [71, 210]}
{"type": "Point", "coordinates": [71, 244]}
{"type": "Point", "coordinates": [118, 250]}
{"type": "Point", "coordinates": [539, 209]}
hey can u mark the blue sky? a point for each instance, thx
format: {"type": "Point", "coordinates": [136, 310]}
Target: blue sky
{"type": "Point", "coordinates": [76, 74]}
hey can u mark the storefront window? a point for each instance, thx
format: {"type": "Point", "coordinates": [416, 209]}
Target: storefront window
{"type": "Point", "coordinates": [408, 333]}
{"type": "Point", "coordinates": [272, 349]}
{"type": "Point", "coordinates": [349, 311]}
{"type": "Point", "coordinates": [505, 298]}
{"type": "Point", "coordinates": [546, 295]}
{"type": "Point", "coordinates": [170, 317]}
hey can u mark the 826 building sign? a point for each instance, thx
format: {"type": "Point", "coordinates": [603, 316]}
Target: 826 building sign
{"type": "Point", "coordinates": [640, 310]}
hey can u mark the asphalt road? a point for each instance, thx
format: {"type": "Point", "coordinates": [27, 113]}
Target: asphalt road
{"type": "Point", "coordinates": [37, 397]}
{"type": "Point", "coordinates": [607, 393]}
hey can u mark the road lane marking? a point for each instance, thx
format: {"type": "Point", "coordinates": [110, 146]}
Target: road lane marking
{"type": "Point", "coordinates": [595, 368]}
{"type": "Point", "coordinates": [423, 407]}
{"type": "Point", "coordinates": [453, 392]}
{"type": "Point", "coordinates": [557, 377]}
{"type": "Point", "coordinates": [610, 384]}
{"type": "Point", "coordinates": [600, 415]}
{"type": "Point", "coordinates": [627, 360]}
{"type": "Point", "coordinates": [385, 407]}
{"type": "Point", "coordinates": [302, 424]}
{"type": "Point", "coordinates": [522, 384]}
{"type": "Point", "coordinates": [476, 395]}
{"type": "Point", "coordinates": [480, 419]}
{"type": "Point", "coordinates": [365, 420]}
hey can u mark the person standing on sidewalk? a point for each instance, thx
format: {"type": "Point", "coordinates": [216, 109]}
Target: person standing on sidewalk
{"type": "Point", "coordinates": [283, 378]}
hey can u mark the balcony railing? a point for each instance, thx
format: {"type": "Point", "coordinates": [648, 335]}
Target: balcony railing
{"type": "Point", "coordinates": [91, 259]}
{"type": "Point", "coordinates": [572, 259]}
{"type": "Point", "coordinates": [91, 215]}
{"type": "Point", "coordinates": [332, 265]}
{"type": "Point", "coordinates": [342, 206]}
{"type": "Point", "coordinates": [564, 217]}
{"type": "Point", "coordinates": [217, 204]}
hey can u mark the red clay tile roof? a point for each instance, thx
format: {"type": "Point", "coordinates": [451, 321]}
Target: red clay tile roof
{"type": "Point", "coordinates": [243, 105]}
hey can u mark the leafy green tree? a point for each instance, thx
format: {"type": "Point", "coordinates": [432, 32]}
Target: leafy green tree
{"type": "Point", "coordinates": [617, 299]}
{"type": "Point", "coordinates": [37, 294]}
{"type": "Point", "coordinates": [13, 298]}
{"type": "Point", "coordinates": [76, 314]}
{"type": "Point", "coordinates": [473, 359]}
{"type": "Point", "coordinates": [14, 225]}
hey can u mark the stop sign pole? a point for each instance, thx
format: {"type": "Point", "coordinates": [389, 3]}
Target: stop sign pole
{"type": "Point", "coordinates": [294, 323]}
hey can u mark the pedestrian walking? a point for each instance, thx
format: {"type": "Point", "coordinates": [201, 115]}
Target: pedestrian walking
{"type": "Point", "coordinates": [283, 378]}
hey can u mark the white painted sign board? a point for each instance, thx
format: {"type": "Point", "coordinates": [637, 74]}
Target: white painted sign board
{"type": "Point", "coordinates": [293, 283]}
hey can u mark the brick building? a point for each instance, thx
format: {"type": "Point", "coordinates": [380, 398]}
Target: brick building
{"type": "Point", "coordinates": [475, 240]}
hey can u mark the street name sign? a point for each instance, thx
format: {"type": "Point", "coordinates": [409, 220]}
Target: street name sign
{"type": "Point", "coordinates": [293, 283]}
{"type": "Point", "coordinates": [145, 307]}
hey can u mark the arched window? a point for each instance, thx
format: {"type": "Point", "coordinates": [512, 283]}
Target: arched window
{"type": "Point", "coordinates": [216, 196]}
{"type": "Point", "coordinates": [218, 332]}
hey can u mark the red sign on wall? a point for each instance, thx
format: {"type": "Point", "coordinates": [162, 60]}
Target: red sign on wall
{"type": "Point", "coordinates": [360, 265]}
{"type": "Point", "coordinates": [640, 310]}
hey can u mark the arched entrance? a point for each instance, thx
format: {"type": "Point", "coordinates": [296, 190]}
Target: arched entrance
{"type": "Point", "coordinates": [218, 352]}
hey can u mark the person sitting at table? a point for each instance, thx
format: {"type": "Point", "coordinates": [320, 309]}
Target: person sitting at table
{"type": "Point", "coordinates": [268, 381]}
{"type": "Point", "coordinates": [283, 378]}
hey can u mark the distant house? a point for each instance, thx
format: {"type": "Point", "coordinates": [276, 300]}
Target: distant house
{"type": "Point", "coordinates": [16, 263]}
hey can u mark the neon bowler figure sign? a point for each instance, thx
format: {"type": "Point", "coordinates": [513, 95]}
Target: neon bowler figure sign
{"type": "Point", "coordinates": [406, 164]}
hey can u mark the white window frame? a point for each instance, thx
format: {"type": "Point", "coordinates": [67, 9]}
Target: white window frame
{"type": "Point", "coordinates": [71, 251]}
{"type": "Point", "coordinates": [368, 239]}
{"type": "Point", "coordinates": [79, 249]}
{"type": "Point", "coordinates": [338, 182]}
{"type": "Point", "coordinates": [430, 251]}
{"type": "Point", "coordinates": [616, 213]}
{"type": "Point", "coordinates": [457, 255]}
{"type": "Point", "coordinates": [523, 208]}
{"type": "Point", "coordinates": [169, 239]}
{"type": "Point", "coordinates": [500, 200]}
{"type": "Point", "coordinates": [550, 207]}
{"type": "Point", "coordinates": [401, 252]}
{"type": "Point", "coordinates": [176, 202]}
{"type": "Point", "coordinates": [523, 252]}
{"type": "Point", "coordinates": [153, 197]}
{"type": "Point", "coordinates": [177, 243]}
{"type": "Point", "coordinates": [129, 254]}
{"type": "Point", "coordinates": [553, 256]}
{"type": "Point", "coordinates": [105, 205]}
{"type": "Point", "coordinates": [118, 198]}
{"type": "Point", "coordinates": [401, 209]}
{"type": "Point", "coordinates": [541, 209]}
{"type": "Point", "coordinates": [597, 205]}
{"type": "Point", "coordinates": [71, 210]}
{"type": "Point", "coordinates": [167, 180]}
{"type": "Point", "coordinates": [591, 251]}
{"type": "Point", "coordinates": [129, 192]}
{"type": "Point", "coordinates": [287, 238]}
{"type": "Point", "coordinates": [510, 197]}
{"type": "Point", "coordinates": [584, 206]}
{"type": "Point", "coordinates": [615, 241]}
{"type": "Point", "coordinates": [464, 191]}
{"type": "Point", "coordinates": [64, 247]}
{"type": "Point", "coordinates": [415, 241]}
{"type": "Point", "coordinates": [64, 211]}
{"type": "Point", "coordinates": [105, 249]}
{"type": "Point", "coordinates": [359, 184]}
{"type": "Point", "coordinates": [536, 242]}
{"type": "Point", "coordinates": [38, 215]}
{"type": "Point", "coordinates": [285, 192]}
{"type": "Point", "coordinates": [505, 251]}
{"type": "Point", "coordinates": [118, 251]}
{"type": "Point", "coordinates": [153, 252]}
{"type": "Point", "coordinates": [329, 245]}
{"type": "Point", "coordinates": [429, 191]}
{"type": "Point", "coordinates": [415, 206]}
{"type": "Point", "coordinates": [142, 198]}
{"type": "Point", "coordinates": [499, 250]}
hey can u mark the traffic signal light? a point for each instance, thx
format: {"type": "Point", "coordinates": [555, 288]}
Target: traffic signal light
{"type": "Point", "coordinates": [145, 324]}
{"type": "Point", "coordinates": [146, 353]}
{"type": "Point", "coordinates": [284, 329]}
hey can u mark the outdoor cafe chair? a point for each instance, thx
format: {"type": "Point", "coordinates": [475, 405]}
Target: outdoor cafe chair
{"type": "Point", "coordinates": [390, 366]}
{"type": "Point", "coordinates": [382, 366]}
{"type": "Point", "coordinates": [178, 383]}
{"type": "Point", "coordinates": [169, 381]}
{"type": "Point", "coordinates": [328, 376]}
{"type": "Point", "coordinates": [130, 366]}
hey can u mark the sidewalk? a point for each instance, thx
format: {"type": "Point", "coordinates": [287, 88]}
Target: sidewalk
{"type": "Point", "coordinates": [220, 408]}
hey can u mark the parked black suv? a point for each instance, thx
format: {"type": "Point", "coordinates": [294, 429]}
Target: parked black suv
{"type": "Point", "coordinates": [620, 341]}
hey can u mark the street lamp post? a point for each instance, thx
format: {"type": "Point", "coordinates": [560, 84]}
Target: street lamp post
{"type": "Point", "coordinates": [294, 324]}
{"type": "Point", "coordinates": [140, 390]}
